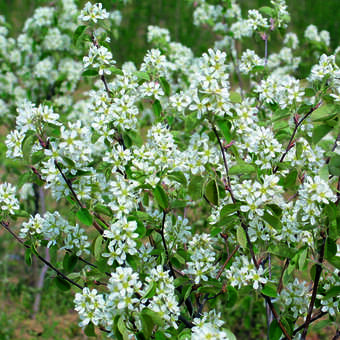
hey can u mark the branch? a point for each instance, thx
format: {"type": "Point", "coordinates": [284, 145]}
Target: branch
{"type": "Point", "coordinates": [334, 147]}
{"type": "Point", "coordinates": [314, 318]}
{"type": "Point", "coordinates": [81, 205]}
{"type": "Point", "coordinates": [297, 125]}
{"type": "Point", "coordinates": [244, 226]}
{"type": "Point", "coordinates": [337, 335]}
{"type": "Point", "coordinates": [226, 262]}
{"type": "Point", "coordinates": [315, 287]}
{"type": "Point", "coordinates": [6, 226]}
{"type": "Point", "coordinates": [225, 163]}
{"type": "Point", "coordinates": [280, 286]}
{"type": "Point", "coordinates": [165, 246]}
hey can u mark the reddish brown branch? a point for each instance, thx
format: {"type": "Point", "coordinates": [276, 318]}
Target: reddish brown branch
{"type": "Point", "coordinates": [315, 287]}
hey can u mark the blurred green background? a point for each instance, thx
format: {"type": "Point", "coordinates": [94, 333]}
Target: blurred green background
{"type": "Point", "coordinates": [176, 15]}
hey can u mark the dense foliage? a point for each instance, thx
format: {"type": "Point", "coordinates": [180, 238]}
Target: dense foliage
{"type": "Point", "coordinates": [181, 187]}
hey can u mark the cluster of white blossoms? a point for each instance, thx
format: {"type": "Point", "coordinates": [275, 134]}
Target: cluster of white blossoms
{"type": "Point", "coordinates": [177, 161]}
{"type": "Point", "coordinates": [242, 273]}
{"type": "Point", "coordinates": [125, 290]}
{"type": "Point", "coordinates": [330, 304]}
{"type": "Point", "coordinates": [57, 231]}
{"type": "Point", "coordinates": [295, 297]}
{"type": "Point", "coordinates": [209, 327]}
{"type": "Point", "coordinates": [312, 193]}
{"type": "Point", "coordinates": [203, 257]}
{"type": "Point", "coordinates": [8, 202]}
{"type": "Point", "coordinates": [93, 12]}
{"type": "Point", "coordinates": [312, 34]}
{"type": "Point", "coordinates": [121, 235]}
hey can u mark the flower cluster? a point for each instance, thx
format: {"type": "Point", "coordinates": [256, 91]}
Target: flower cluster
{"type": "Point", "coordinates": [8, 202]}
{"type": "Point", "coordinates": [56, 230]}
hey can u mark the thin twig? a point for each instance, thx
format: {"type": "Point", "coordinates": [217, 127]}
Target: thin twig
{"type": "Point", "coordinates": [280, 286]}
{"type": "Point", "coordinates": [166, 247]}
{"type": "Point", "coordinates": [314, 318]}
{"type": "Point", "coordinates": [81, 205]}
{"type": "Point", "coordinates": [6, 226]}
{"type": "Point", "coordinates": [334, 147]}
{"type": "Point", "coordinates": [318, 271]}
{"type": "Point", "coordinates": [226, 262]}
{"type": "Point", "coordinates": [337, 335]}
{"type": "Point", "coordinates": [245, 228]}
{"type": "Point", "coordinates": [297, 125]}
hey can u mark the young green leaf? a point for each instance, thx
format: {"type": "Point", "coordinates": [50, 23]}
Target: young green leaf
{"type": "Point", "coordinates": [84, 216]}
{"type": "Point", "coordinates": [211, 192]}
{"type": "Point", "coordinates": [161, 197]}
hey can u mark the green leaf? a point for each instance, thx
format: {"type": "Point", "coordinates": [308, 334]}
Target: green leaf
{"type": "Point", "coordinates": [156, 318]}
{"type": "Point", "coordinates": [122, 328]}
{"type": "Point", "coordinates": [335, 261]}
{"type": "Point", "coordinates": [84, 216]}
{"type": "Point", "coordinates": [177, 176]}
{"type": "Point", "coordinates": [147, 325]}
{"type": "Point", "coordinates": [334, 165]}
{"type": "Point", "coordinates": [78, 33]}
{"type": "Point", "coordinates": [21, 213]}
{"type": "Point", "coordinates": [230, 334]}
{"type": "Point", "coordinates": [320, 131]}
{"type": "Point", "coordinates": [38, 156]}
{"type": "Point", "coordinates": [332, 292]}
{"type": "Point", "coordinates": [229, 209]}
{"type": "Point", "coordinates": [28, 256]}
{"type": "Point", "coordinates": [267, 11]}
{"type": "Point", "coordinates": [89, 330]}
{"type": "Point", "coordinates": [160, 336]}
{"type": "Point", "coordinates": [269, 290]}
{"type": "Point", "coordinates": [272, 220]}
{"type": "Point", "coordinates": [211, 192]}
{"type": "Point", "coordinates": [225, 127]}
{"type": "Point", "coordinates": [69, 262]}
{"type": "Point", "coordinates": [309, 92]}
{"type": "Point", "coordinates": [165, 86]}
{"type": "Point", "coordinates": [331, 248]}
{"type": "Point", "coordinates": [187, 291]}
{"type": "Point", "coordinates": [242, 168]}
{"type": "Point", "coordinates": [97, 248]}
{"type": "Point", "coordinates": [302, 259]}
{"type": "Point", "coordinates": [115, 70]}
{"type": "Point", "coordinates": [275, 331]}
{"type": "Point", "coordinates": [232, 297]}
{"type": "Point", "coordinates": [215, 231]}
{"type": "Point", "coordinates": [62, 284]}
{"type": "Point", "coordinates": [178, 204]}
{"type": "Point", "coordinates": [291, 178]}
{"type": "Point", "coordinates": [257, 68]}
{"type": "Point", "coordinates": [142, 75]}
{"type": "Point", "coordinates": [27, 145]}
{"type": "Point", "coordinates": [161, 197]}
{"type": "Point", "coordinates": [324, 112]}
{"type": "Point", "coordinates": [157, 108]}
{"type": "Point", "coordinates": [235, 97]}
{"type": "Point", "coordinates": [241, 237]}
{"type": "Point", "coordinates": [324, 173]}
{"type": "Point", "coordinates": [90, 73]}
{"type": "Point", "coordinates": [102, 209]}
{"type": "Point", "coordinates": [141, 230]}
{"type": "Point", "coordinates": [195, 187]}
{"type": "Point", "coordinates": [151, 291]}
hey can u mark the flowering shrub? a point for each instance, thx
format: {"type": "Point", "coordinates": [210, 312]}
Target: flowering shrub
{"type": "Point", "coordinates": [182, 184]}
